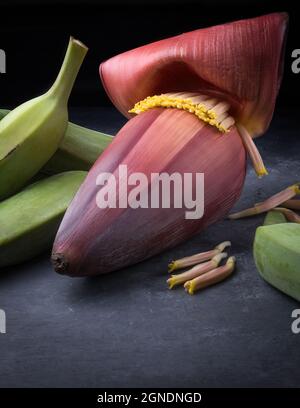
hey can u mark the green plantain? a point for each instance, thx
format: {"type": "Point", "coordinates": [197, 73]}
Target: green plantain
{"type": "Point", "coordinates": [274, 217]}
{"type": "Point", "coordinates": [277, 256]}
{"type": "Point", "coordinates": [31, 133]}
{"type": "Point", "coordinates": [30, 219]}
{"type": "Point", "coordinates": [78, 150]}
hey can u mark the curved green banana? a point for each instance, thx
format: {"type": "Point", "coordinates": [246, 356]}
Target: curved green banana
{"type": "Point", "coordinates": [3, 112]}
{"type": "Point", "coordinates": [277, 256]}
{"type": "Point", "coordinates": [274, 217]}
{"type": "Point", "coordinates": [31, 133]}
{"type": "Point", "coordinates": [30, 219]}
{"type": "Point", "coordinates": [78, 150]}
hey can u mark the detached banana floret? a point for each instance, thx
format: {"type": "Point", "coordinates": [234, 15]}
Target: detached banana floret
{"type": "Point", "coordinates": [281, 198]}
{"type": "Point", "coordinates": [211, 277]}
{"type": "Point", "coordinates": [205, 273]}
{"type": "Point", "coordinates": [195, 259]}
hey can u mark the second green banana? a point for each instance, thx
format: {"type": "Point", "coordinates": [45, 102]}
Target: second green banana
{"type": "Point", "coordinates": [277, 256]}
{"type": "Point", "coordinates": [78, 150]}
{"type": "Point", "coordinates": [30, 219]}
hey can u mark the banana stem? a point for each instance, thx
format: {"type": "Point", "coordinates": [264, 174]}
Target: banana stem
{"type": "Point", "coordinates": [74, 57]}
{"type": "Point", "coordinates": [3, 112]}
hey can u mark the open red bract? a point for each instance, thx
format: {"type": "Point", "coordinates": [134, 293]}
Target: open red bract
{"type": "Point", "coordinates": [240, 62]}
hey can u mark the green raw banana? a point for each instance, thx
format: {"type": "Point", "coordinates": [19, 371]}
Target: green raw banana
{"type": "Point", "coordinates": [274, 217]}
{"type": "Point", "coordinates": [277, 256]}
{"type": "Point", "coordinates": [78, 150]}
{"type": "Point", "coordinates": [30, 219]}
{"type": "Point", "coordinates": [3, 112]}
{"type": "Point", "coordinates": [31, 133]}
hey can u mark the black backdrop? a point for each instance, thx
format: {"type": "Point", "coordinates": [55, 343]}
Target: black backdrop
{"type": "Point", "coordinates": [34, 36]}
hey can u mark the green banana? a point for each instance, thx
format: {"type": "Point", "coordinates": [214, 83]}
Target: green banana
{"type": "Point", "coordinates": [30, 219]}
{"type": "Point", "coordinates": [78, 150]}
{"type": "Point", "coordinates": [277, 256]}
{"type": "Point", "coordinates": [31, 133]}
{"type": "Point", "coordinates": [274, 217]}
{"type": "Point", "coordinates": [3, 112]}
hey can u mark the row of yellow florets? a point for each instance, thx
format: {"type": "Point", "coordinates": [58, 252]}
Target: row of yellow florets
{"type": "Point", "coordinates": [200, 110]}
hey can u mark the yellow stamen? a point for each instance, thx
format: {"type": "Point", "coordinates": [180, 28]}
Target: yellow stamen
{"type": "Point", "coordinates": [172, 266]}
{"type": "Point", "coordinates": [296, 188]}
{"type": "Point", "coordinates": [200, 105]}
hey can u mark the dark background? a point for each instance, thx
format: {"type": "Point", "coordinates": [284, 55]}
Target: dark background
{"type": "Point", "coordinates": [126, 328]}
{"type": "Point", "coordinates": [35, 35]}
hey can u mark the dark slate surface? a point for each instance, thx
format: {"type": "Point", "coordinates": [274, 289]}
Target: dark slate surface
{"type": "Point", "coordinates": [127, 329]}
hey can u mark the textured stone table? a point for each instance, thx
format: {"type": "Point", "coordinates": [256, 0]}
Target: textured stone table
{"type": "Point", "coordinates": [127, 329]}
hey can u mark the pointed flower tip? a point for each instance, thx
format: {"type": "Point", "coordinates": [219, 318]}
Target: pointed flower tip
{"type": "Point", "coordinates": [262, 172]}
{"type": "Point", "coordinates": [218, 258]}
{"type": "Point", "coordinates": [172, 266]}
{"type": "Point", "coordinates": [231, 261]}
{"type": "Point", "coordinates": [296, 188]}
{"type": "Point", "coordinates": [171, 282]}
{"type": "Point", "coordinates": [223, 245]}
{"type": "Point", "coordinates": [189, 287]}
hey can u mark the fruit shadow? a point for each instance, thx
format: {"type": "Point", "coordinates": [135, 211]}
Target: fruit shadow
{"type": "Point", "coordinates": [31, 267]}
{"type": "Point", "coordinates": [149, 273]}
{"type": "Point", "coordinates": [153, 272]}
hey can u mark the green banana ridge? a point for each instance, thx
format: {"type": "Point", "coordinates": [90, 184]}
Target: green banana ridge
{"type": "Point", "coordinates": [274, 217]}
{"type": "Point", "coordinates": [276, 252]}
{"type": "Point", "coordinates": [30, 219]}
